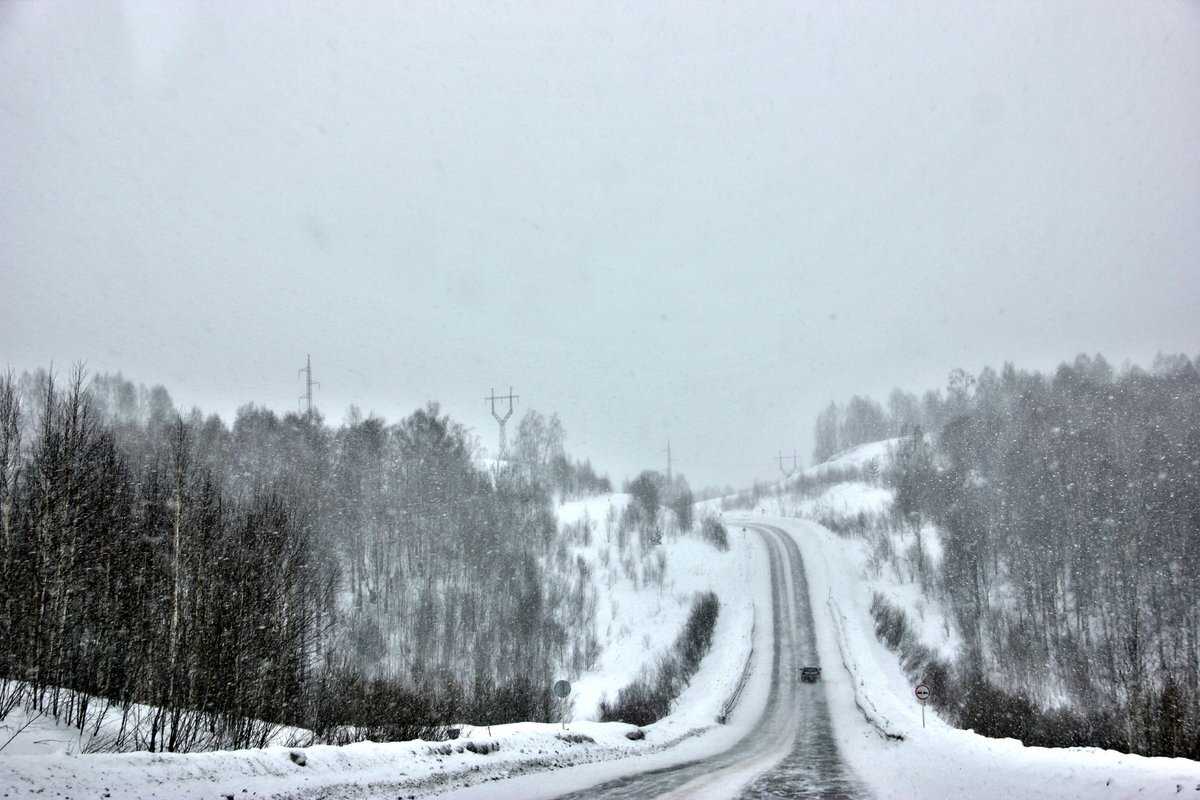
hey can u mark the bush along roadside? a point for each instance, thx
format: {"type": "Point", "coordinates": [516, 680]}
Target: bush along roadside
{"type": "Point", "coordinates": [648, 699]}
{"type": "Point", "coordinates": [969, 700]}
{"type": "Point", "coordinates": [713, 532]}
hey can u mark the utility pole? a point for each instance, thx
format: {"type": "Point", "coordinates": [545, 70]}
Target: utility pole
{"type": "Point", "coordinates": [795, 463]}
{"type": "Point", "coordinates": [510, 398]}
{"type": "Point", "coordinates": [306, 370]}
{"type": "Point", "coordinates": [668, 462]}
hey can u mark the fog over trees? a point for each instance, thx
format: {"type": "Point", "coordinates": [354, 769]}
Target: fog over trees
{"type": "Point", "coordinates": [369, 580]}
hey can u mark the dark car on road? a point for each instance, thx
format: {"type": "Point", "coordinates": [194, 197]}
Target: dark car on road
{"type": "Point", "coordinates": [810, 674]}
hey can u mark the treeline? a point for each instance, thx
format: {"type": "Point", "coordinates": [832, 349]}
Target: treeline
{"type": "Point", "coordinates": [276, 572]}
{"type": "Point", "coordinates": [863, 420]}
{"type": "Point", "coordinates": [139, 580]}
{"type": "Point", "coordinates": [652, 489]}
{"type": "Point", "coordinates": [539, 454]}
{"type": "Point", "coordinates": [1068, 508]}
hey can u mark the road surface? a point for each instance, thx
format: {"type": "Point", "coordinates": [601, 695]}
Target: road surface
{"type": "Point", "coordinates": [791, 751]}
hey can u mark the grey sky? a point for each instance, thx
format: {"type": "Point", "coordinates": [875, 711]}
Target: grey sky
{"type": "Point", "coordinates": [690, 221]}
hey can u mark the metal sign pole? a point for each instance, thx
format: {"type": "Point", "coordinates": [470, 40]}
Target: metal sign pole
{"type": "Point", "coordinates": [922, 692]}
{"type": "Point", "coordinates": [562, 690]}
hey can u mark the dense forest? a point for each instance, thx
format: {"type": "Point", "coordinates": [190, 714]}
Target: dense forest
{"type": "Point", "coordinates": [218, 582]}
{"type": "Point", "coordinates": [1068, 511]}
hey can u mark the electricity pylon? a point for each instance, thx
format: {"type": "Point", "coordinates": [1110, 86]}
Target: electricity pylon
{"type": "Point", "coordinates": [306, 370]}
{"type": "Point", "coordinates": [510, 397]}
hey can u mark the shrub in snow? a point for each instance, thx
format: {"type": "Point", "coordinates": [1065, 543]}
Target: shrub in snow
{"type": "Point", "coordinates": [891, 623]}
{"type": "Point", "coordinates": [382, 710]}
{"type": "Point", "coordinates": [698, 632]}
{"type": "Point", "coordinates": [680, 500]}
{"type": "Point", "coordinates": [648, 699]}
{"type": "Point", "coordinates": [713, 532]}
{"type": "Point", "coordinates": [646, 489]}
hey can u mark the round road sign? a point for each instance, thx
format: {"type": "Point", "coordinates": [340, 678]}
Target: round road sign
{"type": "Point", "coordinates": [562, 688]}
{"type": "Point", "coordinates": [922, 693]}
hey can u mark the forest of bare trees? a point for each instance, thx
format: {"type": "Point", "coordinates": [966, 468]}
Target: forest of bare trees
{"type": "Point", "coordinates": [1068, 509]}
{"type": "Point", "coordinates": [370, 580]}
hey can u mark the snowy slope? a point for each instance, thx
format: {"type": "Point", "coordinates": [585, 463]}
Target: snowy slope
{"type": "Point", "coordinates": [638, 619]}
{"type": "Point", "coordinates": [939, 761]}
{"type": "Point", "coordinates": [869, 698]}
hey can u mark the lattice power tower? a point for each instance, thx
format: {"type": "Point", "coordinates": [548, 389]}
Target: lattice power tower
{"type": "Point", "coordinates": [309, 383]}
{"type": "Point", "coordinates": [510, 397]}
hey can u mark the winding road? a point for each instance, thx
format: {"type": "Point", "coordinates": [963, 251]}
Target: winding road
{"type": "Point", "coordinates": [791, 751]}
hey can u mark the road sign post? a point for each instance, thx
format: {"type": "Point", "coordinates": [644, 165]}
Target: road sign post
{"type": "Point", "coordinates": [562, 690]}
{"type": "Point", "coordinates": [922, 694]}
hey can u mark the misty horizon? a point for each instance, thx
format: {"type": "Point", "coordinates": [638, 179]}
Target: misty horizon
{"type": "Point", "coordinates": [686, 223]}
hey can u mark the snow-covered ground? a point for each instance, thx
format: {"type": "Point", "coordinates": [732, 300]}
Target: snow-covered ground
{"type": "Point", "coordinates": [937, 760]}
{"type": "Point", "coordinates": [638, 617]}
{"type": "Point", "coordinates": [869, 696]}
{"type": "Point", "coordinates": [868, 692]}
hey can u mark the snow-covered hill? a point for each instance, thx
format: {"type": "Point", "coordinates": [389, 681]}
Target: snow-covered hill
{"type": "Point", "coordinates": [877, 721]}
{"type": "Point", "coordinates": [642, 598]}
{"type": "Point", "coordinates": [870, 695]}
{"type": "Point", "coordinates": [639, 611]}
{"type": "Point", "coordinates": [872, 700]}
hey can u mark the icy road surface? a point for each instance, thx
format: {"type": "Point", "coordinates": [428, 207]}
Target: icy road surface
{"type": "Point", "coordinates": [791, 751]}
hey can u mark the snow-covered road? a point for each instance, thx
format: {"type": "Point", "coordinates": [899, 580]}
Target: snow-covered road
{"type": "Point", "coordinates": [877, 723]}
{"type": "Point", "coordinates": [790, 750]}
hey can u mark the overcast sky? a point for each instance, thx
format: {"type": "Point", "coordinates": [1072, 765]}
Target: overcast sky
{"type": "Point", "coordinates": [685, 221]}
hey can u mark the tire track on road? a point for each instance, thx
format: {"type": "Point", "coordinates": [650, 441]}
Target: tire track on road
{"type": "Point", "coordinates": [791, 752]}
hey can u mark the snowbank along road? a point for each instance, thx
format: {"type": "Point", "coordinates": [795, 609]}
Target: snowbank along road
{"type": "Point", "coordinates": [791, 751]}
